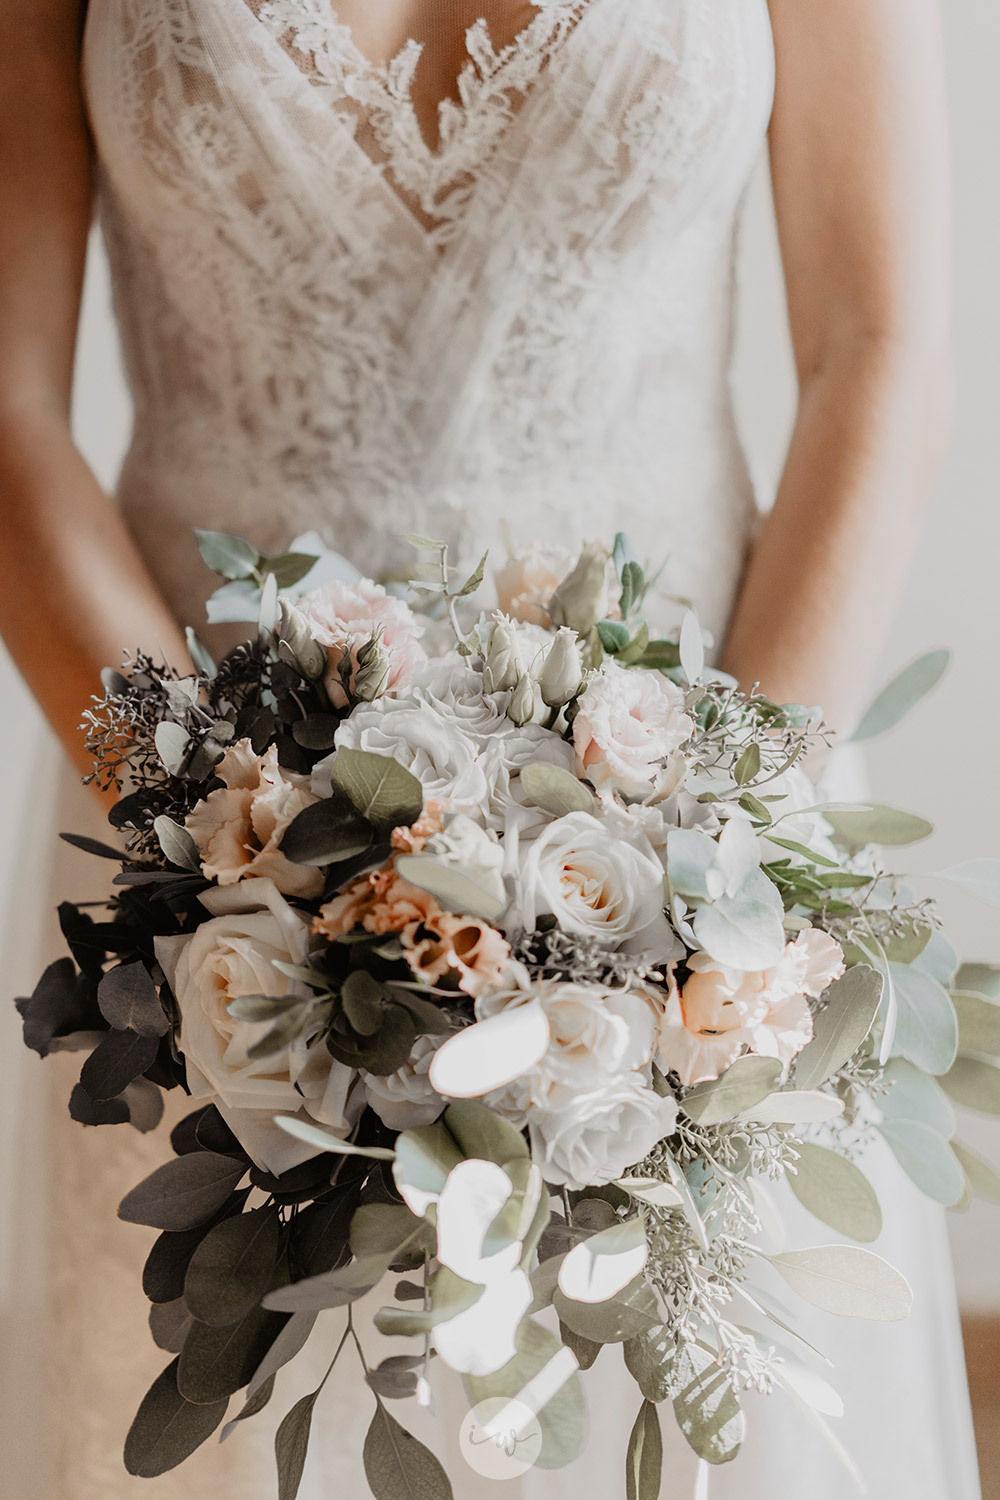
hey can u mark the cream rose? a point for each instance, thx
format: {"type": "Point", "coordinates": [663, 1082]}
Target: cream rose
{"type": "Point", "coordinates": [238, 829]}
{"type": "Point", "coordinates": [230, 955]}
{"type": "Point", "coordinates": [627, 725]}
{"type": "Point", "coordinates": [594, 1138]}
{"type": "Point", "coordinates": [343, 616]}
{"type": "Point", "coordinates": [598, 877]}
{"type": "Point", "coordinates": [527, 582]}
{"type": "Point", "coordinates": [406, 1098]}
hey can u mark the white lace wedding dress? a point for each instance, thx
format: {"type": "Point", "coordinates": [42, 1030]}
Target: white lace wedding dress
{"type": "Point", "coordinates": [331, 323]}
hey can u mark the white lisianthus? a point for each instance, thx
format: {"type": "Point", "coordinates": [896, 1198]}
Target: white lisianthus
{"type": "Point", "coordinates": [587, 1139]}
{"type": "Point", "coordinates": [599, 877]}
{"type": "Point", "coordinates": [231, 955]}
{"type": "Point", "coordinates": [405, 1099]}
{"type": "Point", "coordinates": [442, 728]}
{"type": "Point", "coordinates": [627, 724]}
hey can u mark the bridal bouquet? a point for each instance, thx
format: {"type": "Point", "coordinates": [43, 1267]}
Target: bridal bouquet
{"type": "Point", "coordinates": [512, 959]}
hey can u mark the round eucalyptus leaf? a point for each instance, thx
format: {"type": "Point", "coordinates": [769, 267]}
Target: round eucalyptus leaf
{"type": "Point", "coordinates": [975, 1083]}
{"type": "Point", "coordinates": [233, 1267]}
{"type": "Point", "coordinates": [926, 1023]}
{"type": "Point", "coordinates": [847, 1281]}
{"type": "Point", "coordinates": [978, 1024]}
{"type": "Point", "coordinates": [454, 888]}
{"type": "Point", "coordinates": [978, 877]}
{"type": "Point", "coordinates": [979, 979]}
{"type": "Point", "coordinates": [983, 1179]}
{"type": "Point", "coordinates": [557, 1399]}
{"type": "Point", "coordinates": [706, 1406]}
{"type": "Point", "coordinates": [915, 1095]}
{"type": "Point", "coordinates": [129, 1001]}
{"type": "Point", "coordinates": [605, 1264]}
{"type": "Point", "coordinates": [555, 790]}
{"type": "Point", "coordinates": [926, 1158]}
{"type": "Point", "coordinates": [380, 788]}
{"type": "Point", "coordinates": [631, 1311]}
{"type": "Point", "coordinates": [648, 1357]}
{"type": "Point", "coordinates": [835, 1191]}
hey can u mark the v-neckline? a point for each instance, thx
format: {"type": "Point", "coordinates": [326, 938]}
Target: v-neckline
{"type": "Point", "coordinates": [431, 181]}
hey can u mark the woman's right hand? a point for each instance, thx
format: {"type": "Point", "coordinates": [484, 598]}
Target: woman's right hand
{"type": "Point", "coordinates": [74, 592]}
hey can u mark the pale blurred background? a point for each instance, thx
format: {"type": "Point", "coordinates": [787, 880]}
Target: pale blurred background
{"type": "Point", "coordinates": [944, 761]}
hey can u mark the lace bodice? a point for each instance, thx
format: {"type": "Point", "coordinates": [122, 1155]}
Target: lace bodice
{"type": "Point", "coordinates": [330, 322]}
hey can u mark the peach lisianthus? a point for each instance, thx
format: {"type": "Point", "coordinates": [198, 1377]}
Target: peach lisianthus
{"type": "Point", "coordinates": [441, 947]}
{"type": "Point", "coordinates": [238, 829]}
{"type": "Point", "coordinates": [720, 1012]}
{"type": "Point", "coordinates": [343, 616]}
{"type": "Point", "coordinates": [527, 582]}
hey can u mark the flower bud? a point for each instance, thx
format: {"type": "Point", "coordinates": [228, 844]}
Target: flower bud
{"type": "Point", "coordinates": [563, 670]}
{"type": "Point", "coordinates": [503, 659]}
{"type": "Point", "coordinates": [521, 708]}
{"type": "Point", "coordinates": [372, 670]}
{"type": "Point", "coordinates": [293, 633]}
{"type": "Point", "coordinates": [582, 597]}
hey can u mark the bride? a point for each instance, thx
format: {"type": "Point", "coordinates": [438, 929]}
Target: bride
{"type": "Point", "coordinates": [457, 266]}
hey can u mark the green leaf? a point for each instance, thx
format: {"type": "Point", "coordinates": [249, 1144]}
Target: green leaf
{"type": "Point", "coordinates": [177, 844]}
{"type": "Point", "coordinates": [907, 946]}
{"type": "Point", "coordinates": [615, 636]}
{"type": "Point", "coordinates": [483, 1135]}
{"type": "Point", "coordinates": [926, 1023]}
{"type": "Point", "coordinates": [129, 1002]}
{"type": "Point", "coordinates": [396, 1377]}
{"type": "Point", "coordinates": [228, 555]}
{"type": "Point", "coordinates": [644, 1459]}
{"type": "Point", "coordinates": [398, 1467]}
{"type": "Point", "coordinates": [706, 1406]}
{"type": "Point", "coordinates": [926, 1158]}
{"type": "Point", "coordinates": [317, 732]}
{"type": "Point", "coordinates": [233, 1267]}
{"type": "Point", "coordinates": [745, 1083]}
{"type": "Point", "coordinates": [883, 825]}
{"type": "Point", "coordinates": [385, 1229]}
{"type": "Point", "coordinates": [633, 581]}
{"type": "Point", "coordinates": [636, 648]}
{"type": "Point", "coordinates": [383, 791]}
{"type": "Point", "coordinates": [454, 888]}
{"type": "Point", "coordinates": [169, 1323]}
{"type": "Point", "coordinates": [847, 1281]}
{"type": "Point", "coordinates": [562, 1417]}
{"type": "Point", "coordinates": [216, 1362]}
{"type": "Point", "coordinates": [979, 979]}
{"type": "Point", "coordinates": [974, 1083]}
{"type": "Point", "coordinates": [835, 1191]}
{"type": "Point", "coordinates": [294, 1020]}
{"type": "Point", "coordinates": [747, 768]}
{"type": "Point", "coordinates": [978, 1024]}
{"type": "Point", "coordinates": [555, 790]}
{"type": "Point", "coordinates": [915, 1095]}
{"type": "Point", "coordinates": [326, 832]}
{"type": "Point", "coordinates": [258, 1008]}
{"type": "Point", "coordinates": [902, 694]}
{"type": "Point", "coordinates": [983, 1179]}
{"type": "Point", "coordinates": [630, 1312]}
{"type": "Point", "coordinates": [660, 656]}
{"type": "Point", "coordinates": [167, 1429]}
{"type": "Point", "coordinates": [424, 1157]}
{"type": "Point", "coordinates": [475, 580]}
{"type": "Point", "coordinates": [291, 1444]}
{"type": "Point", "coordinates": [649, 1359]}
{"type": "Point", "coordinates": [172, 744]}
{"type": "Point", "coordinates": [290, 568]}
{"type": "Point", "coordinates": [363, 997]}
{"type": "Point", "coordinates": [287, 1345]}
{"type": "Point", "coordinates": [184, 1193]}
{"type": "Point", "coordinates": [254, 1403]}
{"type": "Point", "coordinates": [116, 1062]}
{"type": "Point", "coordinates": [841, 1027]}
{"type": "Point", "coordinates": [977, 877]}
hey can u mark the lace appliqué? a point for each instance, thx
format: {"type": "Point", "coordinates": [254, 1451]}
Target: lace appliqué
{"type": "Point", "coordinates": [435, 181]}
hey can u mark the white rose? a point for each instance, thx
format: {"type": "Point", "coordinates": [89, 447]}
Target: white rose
{"type": "Point", "coordinates": [441, 728]}
{"type": "Point", "coordinates": [598, 877]}
{"type": "Point", "coordinates": [231, 955]}
{"type": "Point", "coordinates": [627, 724]}
{"type": "Point", "coordinates": [592, 1138]}
{"type": "Point", "coordinates": [406, 1099]}
{"type": "Point", "coordinates": [596, 1033]}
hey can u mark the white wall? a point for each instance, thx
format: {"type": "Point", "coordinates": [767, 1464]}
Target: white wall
{"type": "Point", "coordinates": [945, 761]}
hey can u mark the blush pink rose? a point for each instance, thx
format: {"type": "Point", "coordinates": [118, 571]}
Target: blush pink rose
{"type": "Point", "coordinates": [626, 726]}
{"type": "Point", "coordinates": [343, 616]}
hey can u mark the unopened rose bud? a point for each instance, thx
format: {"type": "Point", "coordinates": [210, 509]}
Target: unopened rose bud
{"type": "Point", "coordinates": [293, 633]}
{"type": "Point", "coordinates": [563, 670]}
{"type": "Point", "coordinates": [582, 597]}
{"type": "Point", "coordinates": [521, 708]}
{"type": "Point", "coordinates": [372, 672]}
{"type": "Point", "coordinates": [504, 668]}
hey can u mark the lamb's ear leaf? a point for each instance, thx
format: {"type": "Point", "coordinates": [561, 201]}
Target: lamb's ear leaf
{"type": "Point", "coordinates": [167, 1429]}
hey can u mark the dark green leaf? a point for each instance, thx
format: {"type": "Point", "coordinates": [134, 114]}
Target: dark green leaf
{"type": "Point", "coordinates": [169, 1323]}
{"type": "Point", "coordinates": [614, 635]}
{"type": "Point", "coordinates": [290, 1341]}
{"type": "Point", "coordinates": [291, 1444]}
{"type": "Point", "coordinates": [327, 832]}
{"type": "Point", "coordinates": [87, 1111]}
{"type": "Point", "coordinates": [216, 1362]}
{"type": "Point", "coordinates": [290, 568]}
{"type": "Point", "coordinates": [644, 1460]}
{"type": "Point", "coordinates": [145, 1104]}
{"type": "Point", "coordinates": [396, 1377]}
{"type": "Point", "coordinates": [318, 732]}
{"type": "Point", "coordinates": [363, 999]}
{"type": "Point", "coordinates": [321, 1234]}
{"type": "Point", "coordinates": [93, 846]}
{"type": "Point", "coordinates": [233, 1267]}
{"type": "Point", "coordinates": [183, 1193]}
{"type": "Point", "coordinates": [383, 791]}
{"type": "Point", "coordinates": [167, 1429]}
{"type": "Point", "coordinates": [121, 1057]}
{"type": "Point", "coordinates": [398, 1466]}
{"type": "Point", "coordinates": [250, 1408]}
{"type": "Point", "coordinates": [288, 1029]}
{"type": "Point", "coordinates": [129, 1002]}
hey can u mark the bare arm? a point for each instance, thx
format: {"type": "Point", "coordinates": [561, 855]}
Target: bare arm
{"type": "Point", "coordinates": [73, 590]}
{"type": "Point", "coordinates": [859, 163]}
